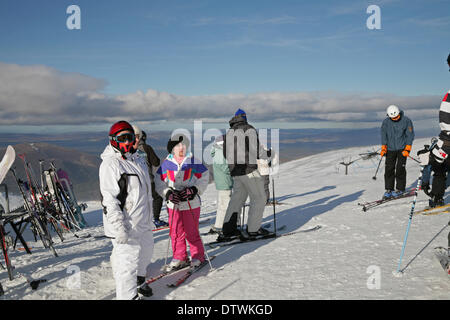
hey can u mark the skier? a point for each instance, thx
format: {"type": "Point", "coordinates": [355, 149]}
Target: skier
{"type": "Point", "coordinates": [153, 163]}
{"type": "Point", "coordinates": [265, 168]}
{"type": "Point", "coordinates": [242, 149]}
{"type": "Point", "coordinates": [181, 179]}
{"type": "Point", "coordinates": [127, 204]}
{"type": "Point", "coordinates": [439, 155]}
{"type": "Point", "coordinates": [440, 161]}
{"type": "Point", "coordinates": [223, 182]}
{"type": "Point", "coordinates": [397, 135]}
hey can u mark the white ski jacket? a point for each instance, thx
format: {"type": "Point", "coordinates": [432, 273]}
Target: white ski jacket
{"type": "Point", "coordinates": [126, 194]}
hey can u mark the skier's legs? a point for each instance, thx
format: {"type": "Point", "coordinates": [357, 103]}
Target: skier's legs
{"type": "Point", "coordinates": [255, 186]}
{"type": "Point", "coordinates": [389, 171]}
{"type": "Point", "coordinates": [124, 262]}
{"type": "Point", "coordinates": [223, 199]}
{"type": "Point", "coordinates": [157, 203]}
{"type": "Point", "coordinates": [400, 172]}
{"type": "Point", "coordinates": [190, 222]}
{"type": "Point", "coordinates": [266, 187]}
{"type": "Point", "coordinates": [439, 179]}
{"type": "Point", "coordinates": [237, 201]}
{"type": "Point", "coordinates": [177, 234]}
{"type": "Point", "coordinates": [145, 252]}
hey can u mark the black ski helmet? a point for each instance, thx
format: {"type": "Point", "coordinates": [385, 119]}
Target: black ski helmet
{"type": "Point", "coordinates": [448, 61]}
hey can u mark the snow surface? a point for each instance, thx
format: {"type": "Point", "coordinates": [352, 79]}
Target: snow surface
{"type": "Point", "coordinates": [339, 261]}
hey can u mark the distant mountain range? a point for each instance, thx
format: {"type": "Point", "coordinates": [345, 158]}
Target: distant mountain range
{"type": "Point", "coordinates": [79, 153]}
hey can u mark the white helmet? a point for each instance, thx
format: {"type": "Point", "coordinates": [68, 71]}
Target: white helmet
{"type": "Point", "coordinates": [392, 111]}
{"type": "Point", "coordinates": [137, 131]}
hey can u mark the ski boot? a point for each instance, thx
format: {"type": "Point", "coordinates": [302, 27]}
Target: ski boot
{"type": "Point", "coordinates": [436, 201]}
{"type": "Point", "coordinates": [264, 233]}
{"type": "Point", "coordinates": [397, 193]}
{"type": "Point", "coordinates": [160, 223]}
{"type": "Point", "coordinates": [387, 194]}
{"type": "Point", "coordinates": [143, 288]}
{"type": "Point", "coordinates": [229, 230]}
{"type": "Point", "coordinates": [175, 264]}
{"type": "Point", "coordinates": [214, 230]}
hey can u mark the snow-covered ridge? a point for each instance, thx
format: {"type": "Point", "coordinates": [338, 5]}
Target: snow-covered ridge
{"type": "Point", "coordinates": [351, 257]}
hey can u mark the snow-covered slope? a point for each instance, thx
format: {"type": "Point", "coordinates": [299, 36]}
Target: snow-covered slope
{"type": "Point", "coordinates": [351, 257]}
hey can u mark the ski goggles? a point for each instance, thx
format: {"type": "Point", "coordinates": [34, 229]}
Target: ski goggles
{"type": "Point", "coordinates": [125, 137]}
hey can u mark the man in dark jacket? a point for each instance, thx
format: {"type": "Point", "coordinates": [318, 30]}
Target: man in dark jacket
{"type": "Point", "coordinates": [153, 163]}
{"type": "Point", "coordinates": [439, 159]}
{"type": "Point", "coordinates": [397, 135]}
{"type": "Point", "coordinates": [241, 150]}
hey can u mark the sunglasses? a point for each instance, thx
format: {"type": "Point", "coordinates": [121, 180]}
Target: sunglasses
{"type": "Point", "coordinates": [125, 137]}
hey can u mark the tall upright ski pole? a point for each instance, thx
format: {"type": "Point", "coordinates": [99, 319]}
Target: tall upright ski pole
{"type": "Point", "coordinates": [375, 176]}
{"type": "Point", "coordinates": [419, 182]}
{"type": "Point", "coordinates": [273, 202]}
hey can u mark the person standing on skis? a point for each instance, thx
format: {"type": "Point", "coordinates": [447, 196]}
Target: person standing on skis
{"type": "Point", "coordinates": [397, 135]}
{"type": "Point", "coordinates": [153, 163]}
{"type": "Point", "coordinates": [241, 150]}
{"type": "Point", "coordinates": [223, 182]}
{"type": "Point", "coordinates": [439, 155]}
{"type": "Point", "coordinates": [181, 179]}
{"type": "Point", "coordinates": [127, 210]}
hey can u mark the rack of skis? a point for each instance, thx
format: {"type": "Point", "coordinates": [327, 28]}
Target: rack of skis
{"type": "Point", "coordinates": [49, 207]}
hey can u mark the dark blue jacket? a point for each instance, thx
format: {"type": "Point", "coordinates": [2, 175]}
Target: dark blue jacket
{"type": "Point", "coordinates": [397, 134]}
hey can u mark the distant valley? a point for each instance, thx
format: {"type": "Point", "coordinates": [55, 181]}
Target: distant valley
{"type": "Point", "coordinates": [79, 153]}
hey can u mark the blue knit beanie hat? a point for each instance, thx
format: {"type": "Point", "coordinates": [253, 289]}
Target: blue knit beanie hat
{"type": "Point", "coordinates": [242, 113]}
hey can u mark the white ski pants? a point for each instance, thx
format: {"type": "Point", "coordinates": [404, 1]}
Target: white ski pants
{"type": "Point", "coordinates": [223, 199]}
{"type": "Point", "coordinates": [250, 185]}
{"type": "Point", "coordinates": [130, 260]}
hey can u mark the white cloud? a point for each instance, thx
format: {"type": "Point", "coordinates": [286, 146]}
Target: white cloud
{"type": "Point", "coordinates": [44, 96]}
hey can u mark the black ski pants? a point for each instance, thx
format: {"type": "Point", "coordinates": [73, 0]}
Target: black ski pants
{"type": "Point", "coordinates": [157, 203]}
{"type": "Point", "coordinates": [440, 174]}
{"type": "Point", "coordinates": [395, 171]}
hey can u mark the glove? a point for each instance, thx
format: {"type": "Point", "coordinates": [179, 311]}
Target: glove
{"type": "Point", "coordinates": [188, 193]}
{"type": "Point", "coordinates": [121, 237]}
{"type": "Point", "coordinates": [383, 150]}
{"type": "Point", "coordinates": [406, 151]}
{"type": "Point", "coordinates": [173, 196]}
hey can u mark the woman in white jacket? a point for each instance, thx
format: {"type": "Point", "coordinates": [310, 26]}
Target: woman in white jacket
{"type": "Point", "coordinates": [181, 179]}
{"type": "Point", "coordinates": [127, 205]}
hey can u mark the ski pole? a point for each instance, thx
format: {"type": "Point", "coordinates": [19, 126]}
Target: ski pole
{"type": "Point", "coordinates": [425, 247]}
{"type": "Point", "coordinates": [419, 181]}
{"type": "Point", "coordinates": [414, 159]}
{"type": "Point", "coordinates": [170, 232]}
{"type": "Point", "coordinates": [273, 202]}
{"type": "Point", "coordinates": [375, 176]}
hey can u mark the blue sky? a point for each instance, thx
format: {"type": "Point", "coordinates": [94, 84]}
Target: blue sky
{"type": "Point", "coordinates": [224, 48]}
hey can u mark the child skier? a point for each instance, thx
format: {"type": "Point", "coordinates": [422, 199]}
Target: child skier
{"type": "Point", "coordinates": [181, 179]}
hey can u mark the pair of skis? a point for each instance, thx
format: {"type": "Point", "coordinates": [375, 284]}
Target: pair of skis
{"type": "Point", "coordinates": [186, 273]}
{"type": "Point", "coordinates": [430, 211]}
{"type": "Point", "coordinates": [238, 240]}
{"type": "Point", "coordinates": [372, 204]}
